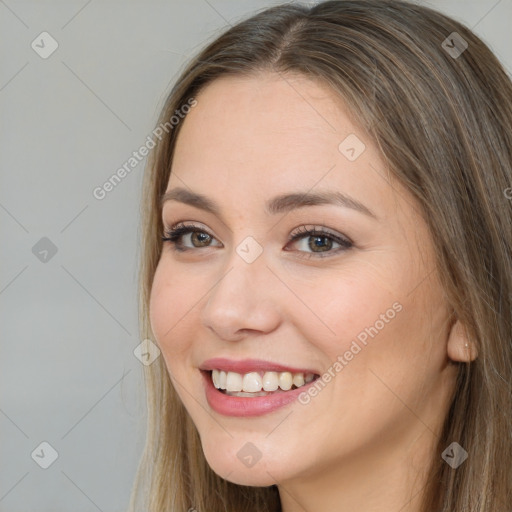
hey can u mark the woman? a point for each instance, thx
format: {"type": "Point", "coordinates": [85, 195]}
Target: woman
{"type": "Point", "coordinates": [327, 269]}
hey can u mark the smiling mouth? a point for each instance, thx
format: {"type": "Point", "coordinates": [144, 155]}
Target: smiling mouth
{"type": "Point", "coordinates": [254, 384]}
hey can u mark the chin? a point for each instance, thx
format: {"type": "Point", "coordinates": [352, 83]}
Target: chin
{"type": "Point", "coordinates": [228, 463]}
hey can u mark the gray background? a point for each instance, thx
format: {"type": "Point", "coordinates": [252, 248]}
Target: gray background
{"type": "Point", "coordinates": [68, 374]}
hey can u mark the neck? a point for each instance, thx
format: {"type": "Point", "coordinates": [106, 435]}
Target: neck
{"type": "Point", "coordinates": [390, 479]}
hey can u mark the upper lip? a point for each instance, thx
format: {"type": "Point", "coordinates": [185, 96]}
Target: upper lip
{"type": "Point", "coordinates": [250, 365]}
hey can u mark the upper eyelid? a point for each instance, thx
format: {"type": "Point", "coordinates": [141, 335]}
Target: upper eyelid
{"type": "Point", "coordinates": [310, 227]}
{"type": "Point", "coordinates": [321, 229]}
{"type": "Point", "coordinates": [185, 224]}
{"type": "Point", "coordinates": [329, 231]}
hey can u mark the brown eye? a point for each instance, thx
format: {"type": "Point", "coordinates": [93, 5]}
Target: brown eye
{"type": "Point", "coordinates": [323, 243]}
{"type": "Point", "coordinates": [200, 238]}
{"type": "Point", "coordinates": [319, 242]}
{"type": "Point", "coordinates": [184, 237]}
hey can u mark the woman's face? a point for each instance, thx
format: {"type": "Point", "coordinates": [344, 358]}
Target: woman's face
{"type": "Point", "coordinates": [357, 302]}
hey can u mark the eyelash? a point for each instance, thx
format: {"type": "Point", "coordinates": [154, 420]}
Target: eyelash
{"type": "Point", "coordinates": [174, 234]}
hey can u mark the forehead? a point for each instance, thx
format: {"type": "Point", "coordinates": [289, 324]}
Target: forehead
{"type": "Point", "coordinates": [268, 134]}
{"type": "Point", "coordinates": [266, 115]}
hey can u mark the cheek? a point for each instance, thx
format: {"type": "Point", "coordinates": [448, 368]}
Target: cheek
{"type": "Point", "coordinates": [171, 309]}
{"type": "Point", "coordinates": [367, 324]}
{"type": "Point", "coordinates": [337, 309]}
{"type": "Point", "coordinates": [386, 347]}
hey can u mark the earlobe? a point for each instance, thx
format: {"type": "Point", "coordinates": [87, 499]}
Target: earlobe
{"type": "Point", "coordinates": [459, 347]}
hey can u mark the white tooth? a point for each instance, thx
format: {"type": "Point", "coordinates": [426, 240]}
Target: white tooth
{"type": "Point", "coordinates": [244, 394]}
{"type": "Point", "coordinates": [215, 378]}
{"type": "Point", "coordinates": [233, 382]}
{"type": "Point", "coordinates": [222, 379]}
{"type": "Point", "coordinates": [252, 382]}
{"type": "Point", "coordinates": [285, 380]}
{"type": "Point", "coordinates": [298, 379]}
{"type": "Point", "coordinates": [309, 377]}
{"type": "Point", "coordinates": [270, 381]}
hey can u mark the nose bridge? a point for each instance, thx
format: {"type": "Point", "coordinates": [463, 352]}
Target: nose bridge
{"type": "Point", "coordinates": [246, 267]}
{"type": "Point", "coordinates": [241, 298]}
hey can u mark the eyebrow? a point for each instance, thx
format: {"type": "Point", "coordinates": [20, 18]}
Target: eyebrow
{"type": "Point", "coordinates": [279, 204]}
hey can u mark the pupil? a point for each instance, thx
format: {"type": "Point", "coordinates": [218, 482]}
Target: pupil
{"type": "Point", "coordinates": [317, 243]}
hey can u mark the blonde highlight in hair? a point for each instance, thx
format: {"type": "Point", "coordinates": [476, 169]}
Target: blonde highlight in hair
{"type": "Point", "coordinates": [444, 126]}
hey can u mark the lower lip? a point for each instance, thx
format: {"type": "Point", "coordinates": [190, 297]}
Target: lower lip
{"type": "Point", "coordinates": [247, 406]}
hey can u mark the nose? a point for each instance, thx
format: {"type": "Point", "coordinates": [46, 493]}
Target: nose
{"type": "Point", "coordinates": [244, 299]}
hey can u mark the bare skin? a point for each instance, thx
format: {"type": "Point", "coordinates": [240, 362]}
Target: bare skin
{"type": "Point", "coordinates": [365, 441]}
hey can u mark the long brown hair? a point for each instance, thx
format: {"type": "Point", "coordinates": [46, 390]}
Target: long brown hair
{"type": "Point", "coordinates": [441, 114]}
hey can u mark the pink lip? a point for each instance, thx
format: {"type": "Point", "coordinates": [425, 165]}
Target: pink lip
{"type": "Point", "coordinates": [249, 365]}
{"type": "Point", "coordinates": [246, 406]}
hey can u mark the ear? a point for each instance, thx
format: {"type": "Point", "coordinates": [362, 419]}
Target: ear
{"type": "Point", "coordinates": [459, 347]}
